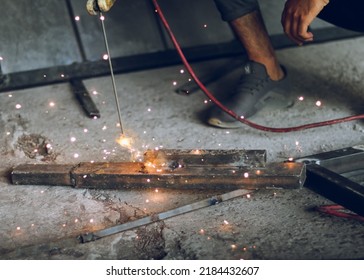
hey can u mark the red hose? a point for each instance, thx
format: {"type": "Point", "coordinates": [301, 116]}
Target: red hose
{"type": "Point", "coordinates": [227, 110]}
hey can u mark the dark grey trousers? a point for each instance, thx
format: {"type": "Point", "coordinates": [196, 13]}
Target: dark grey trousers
{"type": "Point", "coordinates": [347, 14]}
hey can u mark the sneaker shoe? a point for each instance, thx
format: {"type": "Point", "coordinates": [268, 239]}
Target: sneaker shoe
{"type": "Point", "coordinates": [254, 90]}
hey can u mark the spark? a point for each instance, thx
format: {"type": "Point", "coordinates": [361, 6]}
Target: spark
{"type": "Point", "coordinates": [233, 246]}
{"type": "Point", "coordinates": [301, 98]}
{"type": "Point", "coordinates": [318, 103]}
{"type": "Point", "coordinates": [174, 83]}
{"type": "Point", "coordinates": [181, 71]}
{"type": "Point", "coordinates": [77, 18]}
{"type": "Point", "coordinates": [91, 220]}
{"type": "Point", "coordinates": [102, 18]}
{"type": "Point", "coordinates": [94, 92]}
{"type": "Point", "coordinates": [290, 159]}
{"type": "Point", "coordinates": [1, 58]}
{"type": "Point", "coordinates": [85, 130]}
{"type": "Point", "coordinates": [226, 222]}
{"type": "Point", "coordinates": [125, 142]}
{"type": "Point", "coordinates": [246, 175]}
{"type": "Point", "coordinates": [76, 220]}
{"type": "Point", "coordinates": [52, 104]}
{"type": "Point", "coordinates": [76, 155]}
{"type": "Point", "coordinates": [205, 25]}
{"type": "Point", "coordinates": [248, 196]}
{"type": "Point", "coordinates": [17, 228]}
{"type": "Point", "coordinates": [105, 57]}
{"type": "Point", "coordinates": [10, 95]}
{"type": "Point", "coordinates": [17, 106]}
{"type": "Point", "coordinates": [73, 139]}
{"type": "Point", "coordinates": [62, 75]}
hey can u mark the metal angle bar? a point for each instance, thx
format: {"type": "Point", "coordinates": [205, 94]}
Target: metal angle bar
{"type": "Point", "coordinates": [84, 98]}
{"type": "Point", "coordinates": [84, 70]}
{"type": "Point", "coordinates": [161, 216]}
{"type": "Point", "coordinates": [336, 176]}
{"type": "Point", "coordinates": [335, 187]}
{"type": "Point", "coordinates": [340, 161]}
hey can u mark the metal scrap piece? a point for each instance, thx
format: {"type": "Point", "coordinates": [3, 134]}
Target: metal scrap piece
{"type": "Point", "coordinates": [161, 216]}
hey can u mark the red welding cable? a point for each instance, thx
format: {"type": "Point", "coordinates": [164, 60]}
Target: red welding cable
{"type": "Point", "coordinates": [227, 110]}
{"type": "Point", "coordinates": [339, 211]}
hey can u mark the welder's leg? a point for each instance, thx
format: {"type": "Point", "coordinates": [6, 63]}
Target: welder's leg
{"type": "Point", "coordinates": [251, 31]}
{"type": "Point", "coordinates": [247, 22]}
{"type": "Point", "coordinates": [347, 14]}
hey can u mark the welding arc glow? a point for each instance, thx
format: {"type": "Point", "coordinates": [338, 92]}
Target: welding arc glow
{"type": "Point", "coordinates": [227, 110]}
{"type": "Point", "coordinates": [125, 142]}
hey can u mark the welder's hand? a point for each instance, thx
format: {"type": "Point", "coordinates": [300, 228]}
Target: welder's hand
{"type": "Point", "coordinates": [95, 6]}
{"type": "Point", "coordinates": [298, 15]}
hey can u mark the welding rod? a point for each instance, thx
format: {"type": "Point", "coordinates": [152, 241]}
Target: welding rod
{"type": "Point", "coordinates": [88, 237]}
{"type": "Point", "coordinates": [111, 71]}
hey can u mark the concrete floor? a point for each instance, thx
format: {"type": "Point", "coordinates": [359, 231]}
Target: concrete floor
{"type": "Point", "coordinates": [42, 222]}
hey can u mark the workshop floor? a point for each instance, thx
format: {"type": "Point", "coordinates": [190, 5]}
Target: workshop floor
{"type": "Point", "coordinates": [42, 222]}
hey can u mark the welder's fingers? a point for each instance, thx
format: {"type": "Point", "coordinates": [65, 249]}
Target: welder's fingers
{"type": "Point", "coordinates": [95, 6]}
{"type": "Point", "coordinates": [105, 5]}
{"type": "Point", "coordinates": [297, 30]}
{"type": "Point", "coordinates": [92, 7]}
{"type": "Point", "coordinates": [298, 15]}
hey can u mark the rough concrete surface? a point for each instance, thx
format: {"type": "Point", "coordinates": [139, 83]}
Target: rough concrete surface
{"type": "Point", "coordinates": [42, 222]}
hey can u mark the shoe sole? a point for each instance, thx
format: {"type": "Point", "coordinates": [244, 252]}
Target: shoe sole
{"type": "Point", "coordinates": [262, 102]}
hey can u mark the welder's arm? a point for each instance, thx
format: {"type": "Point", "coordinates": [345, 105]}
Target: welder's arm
{"type": "Point", "coordinates": [298, 15]}
{"type": "Point", "coordinates": [95, 6]}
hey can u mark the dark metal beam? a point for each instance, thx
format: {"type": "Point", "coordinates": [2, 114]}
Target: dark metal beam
{"type": "Point", "coordinates": [85, 70]}
{"type": "Point", "coordinates": [335, 187]}
{"type": "Point", "coordinates": [329, 173]}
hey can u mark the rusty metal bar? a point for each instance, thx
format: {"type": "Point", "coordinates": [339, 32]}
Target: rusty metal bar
{"type": "Point", "coordinates": [42, 174]}
{"type": "Point", "coordinates": [123, 175]}
{"type": "Point", "coordinates": [202, 157]}
{"type": "Point", "coordinates": [134, 175]}
{"type": "Point", "coordinates": [217, 169]}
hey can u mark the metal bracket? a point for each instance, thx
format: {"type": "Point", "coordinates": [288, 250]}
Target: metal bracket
{"type": "Point", "coordinates": [338, 175]}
